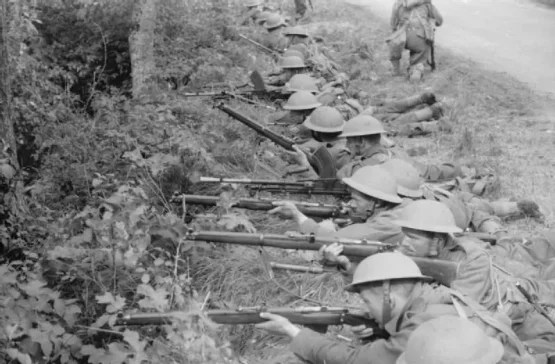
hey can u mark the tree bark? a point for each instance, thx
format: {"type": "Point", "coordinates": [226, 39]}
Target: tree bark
{"type": "Point", "coordinates": [141, 46]}
{"type": "Point", "coordinates": [7, 133]}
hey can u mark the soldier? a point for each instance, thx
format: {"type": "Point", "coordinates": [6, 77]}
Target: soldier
{"type": "Point", "coordinates": [374, 201]}
{"type": "Point", "coordinates": [427, 226]}
{"type": "Point", "coordinates": [364, 140]}
{"type": "Point", "coordinates": [413, 23]}
{"type": "Point", "coordinates": [296, 35]}
{"type": "Point", "coordinates": [300, 10]}
{"type": "Point", "coordinates": [412, 109]}
{"type": "Point", "coordinates": [469, 210]}
{"type": "Point", "coordinates": [399, 298]}
{"type": "Point", "coordinates": [254, 9]}
{"type": "Point", "coordinates": [301, 82]}
{"type": "Point", "coordinates": [290, 66]}
{"type": "Point", "coordinates": [325, 125]}
{"type": "Point", "coordinates": [274, 39]}
{"type": "Point", "coordinates": [450, 340]}
{"type": "Point", "coordinates": [298, 107]}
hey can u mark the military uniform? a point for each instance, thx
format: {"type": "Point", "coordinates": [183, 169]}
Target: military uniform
{"type": "Point", "coordinates": [376, 228]}
{"type": "Point", "coordinates": [418, 23]}
{"type": "Point", "coordinates": [424, 304]}
{"type": "Point", "coordinates": [275, 40]}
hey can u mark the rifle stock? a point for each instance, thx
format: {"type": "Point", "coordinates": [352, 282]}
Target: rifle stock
{"type": "Point", "coordinates": [443, 271]}
{"type": "Point", "coordinates": [307, 208]}
{"type": "Point", "coordinates": [320, 317]}
{"type": "Point", "coordinates": [264, 48]}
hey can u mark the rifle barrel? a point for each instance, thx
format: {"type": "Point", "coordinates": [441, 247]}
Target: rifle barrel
{"type": "Point", "coordinates": [307, 208]}
{"type": "Point", "coordinates": [300, 268]}
{"type": "Point", "coordinates": [254, 181]}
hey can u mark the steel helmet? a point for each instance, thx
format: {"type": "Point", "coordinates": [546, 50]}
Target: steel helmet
{"type": "Point", "coordinates": [292, 52]}
{"type": "Point", "coordinates": [362, 125]}
{"type": "Point", "coordinates": [385, 267]}
{"type": "Point", "coordinates": [325, 119]}
{"type": "Point", "coordinates": [451, 340]}
{"type": "Point", "coordinates": [262, 17]}
{"type": "Point", "coordinates": [292, 62]}
{"type": "Point", "coordinates": [408, 178]}
{"type": "Point", "coordinates": [298, 31]}
{"type": "Point", "coordinates": [302, 82]}
{"type": "Point", "coordinates": [301, 48]}
{"type": "Point", "coordinates": [251, 3]}
{"type": "Point", "coordinates": [427, 215]}
{"type": "Point", "coordinates": [274, 20]}
{"type": "Point", "coordinates": [301, 100]}
{"type": "Point", "coordinates": [376, 182]}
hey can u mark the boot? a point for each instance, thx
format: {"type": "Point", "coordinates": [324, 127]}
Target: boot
{"type": "Point", "coordinates": [396, 67]}
{"type": "Point", "coordinates": [428, 98]}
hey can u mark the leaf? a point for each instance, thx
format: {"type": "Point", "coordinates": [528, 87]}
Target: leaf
{"type": "Point", "coordinates": [132, 337]}
{"type": "Point", "coordinates": [117, 305]}
{"type": "Point", "coordinates": [136, 214]}
{"type": "Point", "coordinates": [85, 237]}
{"type": "Point", "coordinates": [70, 315]}
{"type": "Point", "coordinates": [96, 182]}
{"type": "Point", "coordinates": [106, 298]}
{"type": "Point", "coordinates": [34, 288]}
{"type": "Point", "coordinates": [159, 161]}
{"type": "Point", "coordinates": [158, 262]}
{"type": "Point", "coordinates": [153, 298]}
{"type": "Point", "coordinates": [95, 355]}
{"type": "Point", "coordinates": [59, 307]}
{"type": "Point", "coordinates": [22, 358]}
{"type": "Point", "coordinates": [145, 278]}
{"type": "Point", "coordinates": [42, 338]}
{"type": "Point", "coordinates": [101, 321]}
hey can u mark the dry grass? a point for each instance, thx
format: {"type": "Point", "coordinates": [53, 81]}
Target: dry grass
{"type": "Point", "coordinates": [499, 124]}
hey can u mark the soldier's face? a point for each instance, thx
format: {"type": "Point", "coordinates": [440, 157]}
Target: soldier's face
{"type": "Point", "coordinates": [416, 243]}
{"type": "Point", "coordinates": [355, 144]}
{"type": "Point", "coordinates": [372, 295]}
{"type": "Point", "coordinates": [361, 204]}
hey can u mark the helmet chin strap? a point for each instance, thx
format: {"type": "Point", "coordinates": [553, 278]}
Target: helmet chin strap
{"type": "Point", "coordinates": [386, 309]}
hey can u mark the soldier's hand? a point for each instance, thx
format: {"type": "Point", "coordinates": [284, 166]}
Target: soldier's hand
{"type": "Point", "coordinates": [300, 156]}
{"type": "Point", "coordinates": [332, 254]}
{"type": "Point", "coordinates": [362, 332]}
{"type": "Point", "coordinates": [287, 210]}
{"type": "Point", "coordinates": [277, 324]}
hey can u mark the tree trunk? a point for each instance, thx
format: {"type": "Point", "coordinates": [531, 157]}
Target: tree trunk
{"type": "Point", "coordinates": [141, 46]}
{"type": "Point", "coordinates": [6, 123]}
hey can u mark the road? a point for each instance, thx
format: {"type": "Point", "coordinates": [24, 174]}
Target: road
{"type": "Point", "coordinates": [512, 36]}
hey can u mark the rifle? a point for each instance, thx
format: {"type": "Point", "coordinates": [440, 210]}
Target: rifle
{"type": "Point", "coordinates": [321, 160]}
{"type": "Point", "coordinates": [318, 318]}
{"type": "Point", "coordinates": [265, 49]}
{"type": "Point", "coordinates": [442, 271]}
{"type": "Point", "coordinates": [236, 95]}
{"type": "Point", "coordinates": [307, 208]}
{"type": "Point", "coordinates": [331, 187]}
{"type": "Point", "coordinates": [534, 302]}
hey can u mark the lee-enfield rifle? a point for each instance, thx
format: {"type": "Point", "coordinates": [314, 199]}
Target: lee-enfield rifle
{"type": "Point", "coordinates": [442, 271]}
{"type": "Point", "coordinates": [318, 318]}
{"type": "Point", "coordinates": [308, 208]}
{"type": "Point", "coordinates": [330, 187]}
{"type": "Point", "coordinates": [321, 160]}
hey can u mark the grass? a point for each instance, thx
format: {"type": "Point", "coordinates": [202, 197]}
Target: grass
{"type": "Point", "coordinates": [499, 124]}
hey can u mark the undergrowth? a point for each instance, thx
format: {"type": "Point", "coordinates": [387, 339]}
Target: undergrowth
{"type": "Point", "coordinates": [99, 231]}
